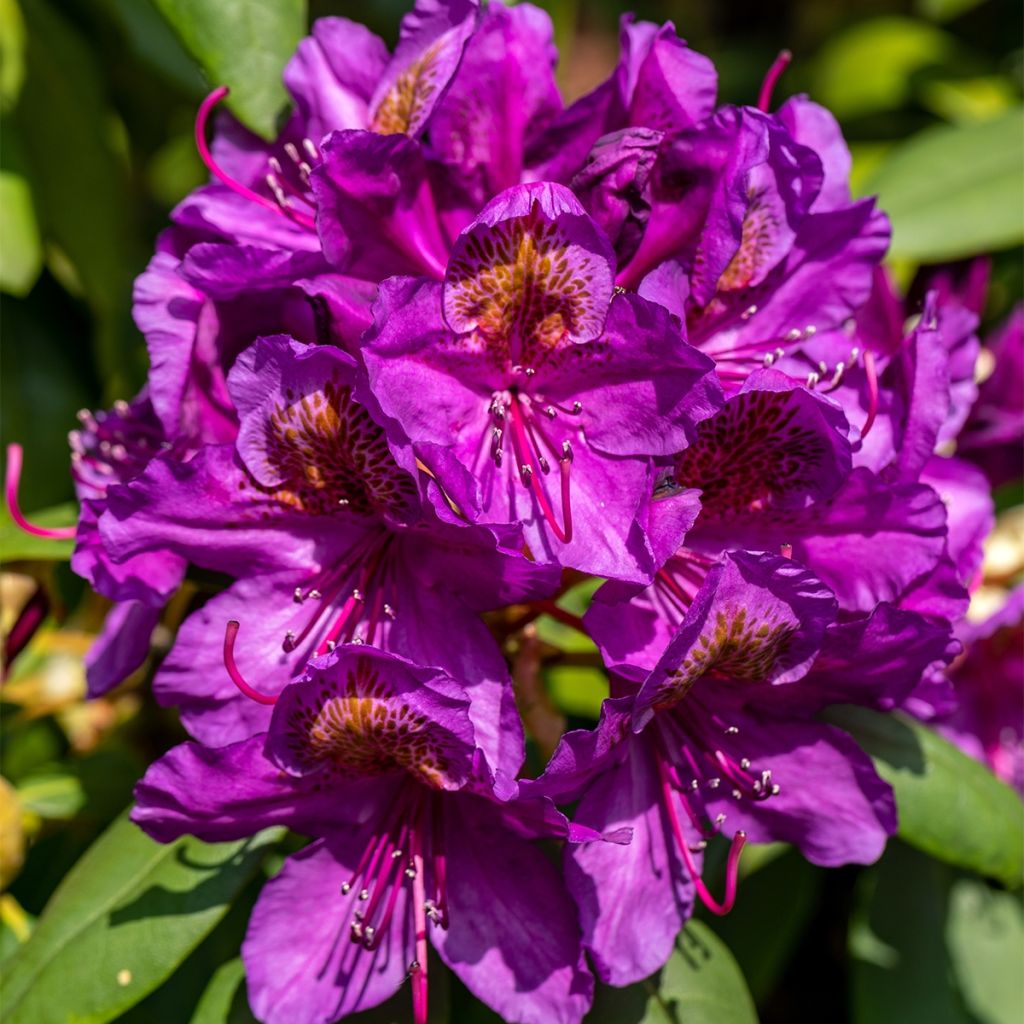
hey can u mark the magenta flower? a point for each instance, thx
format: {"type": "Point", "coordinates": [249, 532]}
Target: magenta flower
{"type": "Point", "coordinates": [534, 396]}
{"type": "Point", "coordinates": [722, 737]}
{"type": "Point", "coordinates": [329, 544]}
{"type": "Point", "coordinates": [417, 840]}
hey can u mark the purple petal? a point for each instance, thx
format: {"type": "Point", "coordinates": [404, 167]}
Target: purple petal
{"type": "Point", "coordinates": [121, 647]}
{"type": "Point", "coordinates": [432, 38]}
{"type": "Point", "coordinates": [542, 232]}
{"type": "Point", "coordinates": [333, 75]}
{"type": "Point", "coordinates": [830, 803]}
{"type": "Point", "coordinates": [503, 95]}
{"type": "Point", "coordinates": [757, 617]}
{"type": "Point", "coordinates": [232, 792]}
{"type": "Point", "coordinates": [301, 966]}
{"type": "Point", "coordinates": [361, 712]}
{"type": "Point", "coordinates": [772, 445]}
{"type": "Point", "coordinates": [375, 212]}
{"type": "Point", "coordinates": [512, 939]}
{"type": "Point", "coordinates": [634, 899]}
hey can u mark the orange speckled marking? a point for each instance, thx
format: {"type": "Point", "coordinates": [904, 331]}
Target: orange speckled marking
{"type": "Point", "coordinates": [525, 287]}
{"type": "Point", "coordinates": [329, 450]}
{"type": "Point", "coordinates": [358, 728]}
{"type": "Point", "coordinates": [404, 105]}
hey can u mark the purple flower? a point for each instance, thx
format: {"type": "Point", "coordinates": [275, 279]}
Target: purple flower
{"type": "Point", "coordinates": [994, 432]}
{"type": "Point", "coordinates": [417, 840]}
{"type": "Point", "coordinates": [987, 719]}
{"type": "Point", "coordinates": [533, 395]}
{"type": "Point", "coordinates": [774, 471]}
{"type": "Point", "coordinates": [329, 544]}
{"type": "Point", "coordinates": [722, 736]}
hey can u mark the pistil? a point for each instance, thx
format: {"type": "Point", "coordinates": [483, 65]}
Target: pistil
{"type": "Point", "coordinates": [14, 460]}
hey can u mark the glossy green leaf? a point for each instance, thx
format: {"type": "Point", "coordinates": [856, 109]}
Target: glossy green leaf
{"type": "Point", "coordinates": [53, 795]}
{"type": "Point", "coordinates": [80, 182]}
{"type": "Point", "coordinates": [985, 938]}
{"type": "Point", "coordinates": [870, 67]}
{"type": "Point", "coordinates": [21, 255]}
{"type": "Point", "coordinates": [244, 46]}
{"type": "Point", "coordinates": [950, 806]}
{"type": "Point", "coordinates": [12, 53]}
{"type": "Point", "coordinates": [783, 891]}
{"type": "Point", "coordinates": [955, 190]}
{"type": "Point", "coordinates": [17, 545]}
{"type": "Point", "coordinates": [900, 970]}
{"type": "Point", "coordinates": [224, 1001]}
{"type": "Point", "coordinates": [121, 921]}
{"type": "Point", "coordinates": [700, 984]}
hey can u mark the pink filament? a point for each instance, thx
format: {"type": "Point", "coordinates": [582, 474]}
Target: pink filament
{"type": "Point", "coordinates": [202, 117]}
{"type": "Point", "coordinates": [732, 864]}
{"type": "Point", "coordinates": [524, 454]}
{"type": "Point", "coordinates": [419, 974]}
{"type": "Point", "coordinates": [14, 459]}
{"type": "Point", "coordinates": [871, 372]}
{"type": "Point", "coordinates": [764, 98]}
{"type": "Point", "coordinates": [230, 633]}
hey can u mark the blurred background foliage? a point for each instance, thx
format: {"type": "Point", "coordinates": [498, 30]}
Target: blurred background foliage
{"type": "Point", "coordinates": [97, 100]}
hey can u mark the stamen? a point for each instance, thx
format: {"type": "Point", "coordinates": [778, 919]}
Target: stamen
{"type": "Point", "coordinates": [230, 634]}
{"type": "Point", "coordinates": [732, 864]}
{"type": "Point", "coordinates": [14, 460]}
{"type": "Point", "coordinates": [531, 479]}
{"type": "Point", "coordinates": [764, 98]}
{"type": "Point", "coordinates": [419, 973]}
{"type": "Point", "coordinates": [871, 371]}
{"type": "Point", "coordinates": [202, 116]}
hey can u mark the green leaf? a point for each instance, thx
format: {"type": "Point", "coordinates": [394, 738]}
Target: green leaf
{"type": "Point", "coordinates": [242, 45]}
{"type": "Point", "coordinates": [700, 984]}
{"type": "Point", "coordinates": [785, 892]}
{"type": "Point", "coordinates": [950, 806]}
{"type": "Point", "coordinates": [985, 938]}
{"type": "Point", "coordinates": [21, 255]}
{"type": "Point", "coordinates": [954, 191]}
{"type": "Point", "coordinates": [900, 969]}
{"type": "Point", "coordinates": [54, 794]}
{"type": "Point", "coordinates": [80, 182]}
{"type": "Point", "coordinates": [12, 53]}
{"type": "Point", "coordinates": [16, 545]}
{"type": "Point", "coordinates": [870, 67]}
{"type": "Point", "coordinates": [121, 921]}
{"type": "Point", "coordinates": [224, 1001]}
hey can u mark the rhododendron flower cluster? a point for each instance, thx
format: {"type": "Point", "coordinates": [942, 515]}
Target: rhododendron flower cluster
{"type": "Point", "coordinates": [439, 352]}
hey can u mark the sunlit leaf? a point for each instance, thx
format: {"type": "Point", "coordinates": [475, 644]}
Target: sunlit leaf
{"type": "Point", "coordinates": [700, 984]}
{"type": "Point", "coordinates": [950, 806]}
{"type": "Point", "coordinates": [121, 921]}
{"type": "Point", "coordinates": [955, 191]}
{"type": "Point", "coordinates": [985, 937]}
{"type": "Point", "coordinates": [900, 966]}
{"type": "Point", "coordinates": [869, 67]}
{"type": "Point", "coordinates": [224, 1000]}
{"type": "Point", "coordinates": [244, 46]}
{"type": "Point", "coordinates": [78, 181]}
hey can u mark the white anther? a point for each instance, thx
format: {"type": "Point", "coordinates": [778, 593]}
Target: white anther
{"type": "Point", "coordinates": [748, 312]}
{"type": "Point", "coordinates": [298, 595]}
{"type": "Point", "coordinates": [745, 763]}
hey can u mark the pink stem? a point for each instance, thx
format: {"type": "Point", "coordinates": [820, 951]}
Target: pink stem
{"type": "Point", "coordinates": [14, 458]}
{"type": "Point", "coordinates": [230, 633]}
{"type": "Point", "coordinates": [764, 98]}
